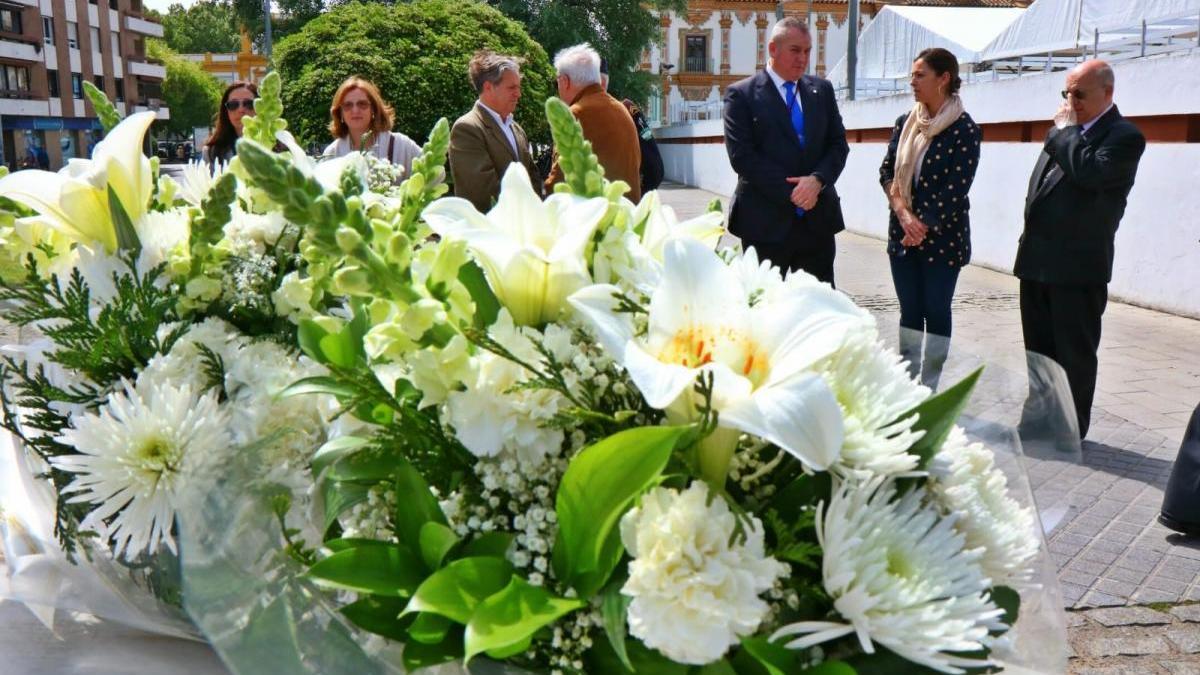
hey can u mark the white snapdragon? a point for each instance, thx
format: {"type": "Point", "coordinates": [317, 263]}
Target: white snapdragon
{"type": "Point", "coordinates": [695, 594]}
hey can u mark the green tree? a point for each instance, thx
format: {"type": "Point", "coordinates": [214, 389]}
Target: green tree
{"type": "Point", "coordinates": [416, 54]}
{"type": "Point", "coordinates": [207, 26]}
{"type": "Point", "coordinates": [191, 94]}
{"type": "Point", "coordinates": [618, 29]}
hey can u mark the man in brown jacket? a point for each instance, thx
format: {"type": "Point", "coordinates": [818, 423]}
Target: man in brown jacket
{"type": "Point", "coordinates": [487, 139]}
{"type": "Point", "coordinates": [606, 123]}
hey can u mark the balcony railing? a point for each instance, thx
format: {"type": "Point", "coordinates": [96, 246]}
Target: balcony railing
{"type": "Point", "coordinates": [143, 26]}
{"type": "Point", "coordinates": [20, 50]}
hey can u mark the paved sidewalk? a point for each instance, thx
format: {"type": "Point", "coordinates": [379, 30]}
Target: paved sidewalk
{"type": "Point", "coordinates": [1099, 509]}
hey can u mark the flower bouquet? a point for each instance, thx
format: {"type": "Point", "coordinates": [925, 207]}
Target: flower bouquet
{"type": "Point", "coordinates": [563, 436]}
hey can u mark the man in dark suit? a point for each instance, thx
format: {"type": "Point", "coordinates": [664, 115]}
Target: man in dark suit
{"type": "Point", "coordinates": [1075, 201]}
{"type": "Point", "coordinates": [786, 143]}
{"type": "Point", "coordinates": [487, 139]}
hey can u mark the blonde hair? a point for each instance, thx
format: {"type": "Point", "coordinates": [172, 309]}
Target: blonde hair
{"type": "Point", "coordinates": [382, 116]}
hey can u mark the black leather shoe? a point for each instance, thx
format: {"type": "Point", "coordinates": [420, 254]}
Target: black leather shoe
{"type": "Point", "coordinates": [1188, 529]}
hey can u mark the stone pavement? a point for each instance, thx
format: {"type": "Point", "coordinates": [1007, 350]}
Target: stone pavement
{"type": "Point", "coordinates": [1099, 510]}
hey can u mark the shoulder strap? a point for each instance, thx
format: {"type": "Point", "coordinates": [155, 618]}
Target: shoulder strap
{"type": "Point", "coordinates": [391, 147]}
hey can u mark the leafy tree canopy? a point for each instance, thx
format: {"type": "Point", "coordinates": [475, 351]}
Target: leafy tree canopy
{"type": "Point", "coordinates": [191, 94]}
{"type": "Point", "coordinates": [206, 26]}
{"type": "Point", "coordinates": [618, 29]}
{"type": "Point", "coordinates": [416, 53]}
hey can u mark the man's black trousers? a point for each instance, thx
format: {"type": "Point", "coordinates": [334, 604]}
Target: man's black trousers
{"type": "Point", "coordinates": [1062, 321]}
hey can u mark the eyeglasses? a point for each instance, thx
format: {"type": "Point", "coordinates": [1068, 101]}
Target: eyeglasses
{"type": "Point", "coordinates": [351, 105]}
{"type": "Point", "coordinates": [245, 104]}
{"type": "Point", "coordinates": [1078, 94]}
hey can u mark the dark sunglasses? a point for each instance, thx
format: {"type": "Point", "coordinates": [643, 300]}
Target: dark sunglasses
{"type": "Point", "coordinates": [245, 104]}
{"type": "Point", "coordinates": [1079, 94]}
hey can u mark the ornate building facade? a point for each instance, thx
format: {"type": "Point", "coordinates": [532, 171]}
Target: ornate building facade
{"type": "Point", "coordinates": [717, 42]}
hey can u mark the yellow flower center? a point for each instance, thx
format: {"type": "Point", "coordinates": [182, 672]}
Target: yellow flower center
{"type": "Point", "coordinates": [695, 346]}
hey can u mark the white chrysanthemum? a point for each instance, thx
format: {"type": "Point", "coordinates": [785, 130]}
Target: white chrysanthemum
{"type": "Point", "coordinates": [198, 180]}
{"type": "Point", "coordinates": [255, 375]}
{"type": "Point", "coordinates": [494, 414]}
{"type": "Point", "coordinates": [135, 454]}
{"type": "Point", "coordinates": [184, 364]}
{"type": "Point", "coordinates": [898, 573]}
{"type": "Point", "coordinates": [965, 481]}
{"type": "Point", "coordinates": [694, 594]}
{"type": "Point", "coordinates": [874, 390]}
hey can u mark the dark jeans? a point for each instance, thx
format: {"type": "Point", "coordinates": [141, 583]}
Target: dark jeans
{"type": "Point", "coordinates": [1062, 321]}
{"type": "Point", "coordinates": [925, 291]}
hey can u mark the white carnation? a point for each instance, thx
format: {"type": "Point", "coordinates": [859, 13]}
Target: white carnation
{"type": "Point", "coordinates": [694, 594]}
{"type": "Point", "coordinates": [251, 233]}
{"type": "Point", "coordinates": [965, 481]}
{"type": "Point", "coordinates": [494, 414]}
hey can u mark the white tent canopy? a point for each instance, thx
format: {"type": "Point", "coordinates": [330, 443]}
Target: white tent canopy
{"type": "Point", "coordinates": [1052, 25]}
{"type": "Point", "coordinates": [888, 44]}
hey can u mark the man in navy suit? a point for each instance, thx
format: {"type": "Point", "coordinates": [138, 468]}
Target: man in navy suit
{"type": "Point", "coordinates": [1075, 202]}
{"type": "Point", "coordinates": [786, 142]}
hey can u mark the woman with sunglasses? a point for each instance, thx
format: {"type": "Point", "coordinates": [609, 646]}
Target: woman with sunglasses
{"type": "Point", "coordinates": [237, 102]}
{"type": "Point", "coordinates": [361, 121]}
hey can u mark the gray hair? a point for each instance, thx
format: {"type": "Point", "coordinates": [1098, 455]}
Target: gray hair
{"type": "Point", "coordinates": [787, 23]}
{"type": "Point", "coordinates": [580, 63]}
{"type": "Point", "coordinates": [487, 66]}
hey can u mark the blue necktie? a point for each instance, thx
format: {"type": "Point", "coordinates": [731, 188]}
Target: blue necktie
{"type": "Point", "coordinates": [797, 114]}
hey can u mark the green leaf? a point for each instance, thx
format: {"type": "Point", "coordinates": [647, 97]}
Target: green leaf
{"type": "Point", "coordinates": [599, 485]}
{"type": "Point", "coordinates": [613, 608]}
{"type": "Point", "coordinates": [456, 590]}
{"type": "Point", "coordinates": [310, 333]}
{"type": "Point", "coordinates": [802, 492]}
{"type": "Point", "coordinates": [830, 668]}
{"type": "Point", "coordinates": [511, 617]}
{"type": "Point", "coordinates": [429, 628]}
{"type": "Point", "coordinates": [320, 384]}
{"type": "Point", "coordinates": [387, 570]}
{"type": "Point", "coordinates": [339, 497]}
{"type": "Point", "coordinates": [721, 667]}
{"type": "Point", "coordinates": [602, 659]}
{"type": "Point", "coordinates": [415, 505]}
{"type": "Point", "coordinates": [1010, 601]}
{"type": "Point", "coordinates": [335, 450]}
{"type": "Point", "coordinates": [436, 540]}
{"type": "Point", "coordinates": [370, 464]}
{"type": "Point", "coordinates": [377, 615]}
{"type": "Point", "coordinates": [772, 658]}
{"type": "Point", "coordinates": [347, 543]}
{"type": "Point", "coordinates": [495, 544]}
{"type": "Point", "coordinates": [937, 415]}
{"type": "Point", "coordinates": [127, 239]}
{"type": "Point", "coordinates": [417, 656]}
{"type": "Point", "coordinates": [486, 304]}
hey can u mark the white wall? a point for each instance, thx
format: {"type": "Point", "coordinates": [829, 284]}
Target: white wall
{"type": "Point", "coordinates": [1158, 253]}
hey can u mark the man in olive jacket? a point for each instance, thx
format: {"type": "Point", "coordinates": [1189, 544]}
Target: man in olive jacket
{"type": "Point", "coordinates": [605, 121]}
{"type": "Point", "coordinates": [1076, 198]}
{"type": "Point", "coordinates": [487, 139]}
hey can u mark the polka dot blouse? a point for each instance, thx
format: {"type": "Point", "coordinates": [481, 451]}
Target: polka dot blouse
{"type": "Point", "coordinates": [939, 193]}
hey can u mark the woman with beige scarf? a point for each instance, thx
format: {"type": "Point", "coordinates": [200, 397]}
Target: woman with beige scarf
{"type": "Point", "coordinates": [927, 173]}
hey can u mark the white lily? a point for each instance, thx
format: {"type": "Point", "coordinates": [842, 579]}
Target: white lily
{"type": "Point", "coordinates": [701, 323]}
{"type": "Point", "coordinates": [75, 201]}
{"type": "Point", "coordinates": [531, 251]}
{"type": "Point", "coordinates": [657, 222]}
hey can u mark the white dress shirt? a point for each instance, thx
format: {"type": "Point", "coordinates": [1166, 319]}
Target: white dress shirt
{"type": "Point", "coordinates": [1084, 127]}
{"type": "Point", "coordinates": [779, 81]}
{"type": "Point", "coordinates": [506, 125]}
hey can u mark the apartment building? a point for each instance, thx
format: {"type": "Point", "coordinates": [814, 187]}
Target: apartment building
{"type": "Point", "coordinates": [48, 49]}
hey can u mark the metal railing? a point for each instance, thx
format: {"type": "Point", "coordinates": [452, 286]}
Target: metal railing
{"type": "Point", "coordinates": [1169, 35]}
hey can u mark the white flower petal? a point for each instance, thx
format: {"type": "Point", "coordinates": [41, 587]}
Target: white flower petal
{"type": "Point", "coordinates": [799, 415]}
